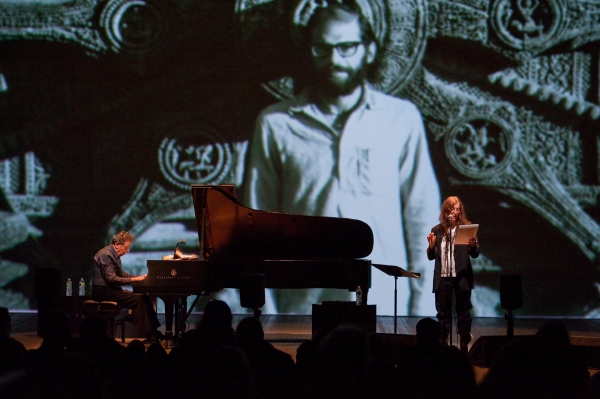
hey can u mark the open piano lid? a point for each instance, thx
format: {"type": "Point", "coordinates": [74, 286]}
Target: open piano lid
{"type": "Point", "coordinates": [227, 229]}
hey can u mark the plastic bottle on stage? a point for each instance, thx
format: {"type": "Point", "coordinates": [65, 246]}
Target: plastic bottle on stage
{"type": "Point", "coordinates": [358, 295]}
{"type": "Point", "coordinates": [69, 287]}
{"type": "Point", "coordinates": [82, 287]}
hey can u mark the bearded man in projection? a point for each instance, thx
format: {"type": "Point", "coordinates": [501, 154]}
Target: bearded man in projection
{"type": "Point", "coordinates": [343, 149]}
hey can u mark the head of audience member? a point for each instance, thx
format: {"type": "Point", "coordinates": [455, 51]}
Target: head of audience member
{"type": "Point", "coordinates": [72, 375]}
{"type": "Point", "coordinates": [157, 358]}
{"type": "Point", "coordinates": [342, 47]}
{"type": "Point", "coordinates": [448, 374]}
{"type": "Point", "coordinates": [56, 328]}
{"type": "Point", "coordinates": [346, 352]}
{"type": "Point", "coordinates": [12, 355]}
{"type": "Point", "coordinates": [217, 315]}
{"type": "Point", "coordinates": [249, 332]}
{"type": "Point", "coordinates": [229, 375]}
{"type": "Point", "coordinates": [122, 241]}
{"type": "Point", "coordinates": [511, 373]}
{"type": "Point", "coordinates": [16, 384]}
{"type": "Point", "coordinates": [132, 361]}
{"type": "Point", "coordinates": [560, 371]}
{"type": "Point", "coordinates": [5, 322]}
{"type": "Point", "coordinates": [308, 358]}
{"type": "Point", "coordinates": [553, 336]}
{"type": "Point", "coordinates": [595, 386]}
{"type": "Point", "coordinates": [428, 333]}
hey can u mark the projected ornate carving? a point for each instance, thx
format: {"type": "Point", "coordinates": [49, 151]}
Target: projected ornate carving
{"type": "Point", "coordinates": [63, 22]}
{"type": "Point", "coordinates": [24, 180]}
{"type": "Point", "coordinates": [133, 27]}
{"type": "Point", "coordinates": [520, 29]}
{"type": "Point", "coordinates": [30, 201]}
{"type": "Point", "coordinates": [10, 271]}
{"type": "Point", "coordinates": [194, 158]}
{"type": "Point", "coordinates": [193, 155]}
{"type": "Point", "coordinates": [480, 146]}
{"type": "Point", "coordinates": [560, 78]}
{"type": "Point", "coordinates": [543, 192]}
{"type": "Point", "coordinates": [15, 229]}
{"type": "Point", "coordinates": [149, 204]}
{"type": "Point", "coordinates": [529, 25]}
{"type": "Point", "coordinates": [460, 20]}
{"type": "Point", "coordinates": [554, 148]}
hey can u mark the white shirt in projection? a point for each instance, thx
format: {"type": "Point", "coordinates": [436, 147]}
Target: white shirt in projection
{"type": "Point", "coordinates": [378, 171]}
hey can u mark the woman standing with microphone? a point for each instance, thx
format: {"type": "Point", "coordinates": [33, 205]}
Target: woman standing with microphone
{"type": "Point", "coordinates": [453, 273]}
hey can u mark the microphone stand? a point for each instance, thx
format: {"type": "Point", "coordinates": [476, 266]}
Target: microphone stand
{"type": "Point", "coordinates": [451, 287]}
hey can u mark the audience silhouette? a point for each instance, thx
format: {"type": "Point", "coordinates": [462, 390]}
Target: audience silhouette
{"type": "Point", "coordinates": [273, 370]}
{"type": "Point", "coordinates": [213, 361]}
{"type": "Point", "coordinates": [13, 352]}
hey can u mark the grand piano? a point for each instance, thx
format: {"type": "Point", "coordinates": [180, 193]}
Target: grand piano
{"type": "Point", "coordinates": [291, 251]}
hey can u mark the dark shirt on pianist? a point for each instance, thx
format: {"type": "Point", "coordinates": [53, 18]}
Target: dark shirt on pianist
{"type": "Point", "coordinates": [108, 269]}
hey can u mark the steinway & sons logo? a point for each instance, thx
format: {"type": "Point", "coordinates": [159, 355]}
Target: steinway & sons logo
{"type": "Point", "coordinates": [173, 276]}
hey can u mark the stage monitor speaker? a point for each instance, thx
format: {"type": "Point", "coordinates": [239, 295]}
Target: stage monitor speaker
{"type": "Point", "coordinates": [587, 349]}
{"type": "Point", "coordinates": [394, 347]}
{"type": "Point", "coordinates": [331, 314]}
{"type": "Point", "coordinates": [47, 282]}
{"type": "Point", "coordinates": [47, 289]}
{"type": "Point", "coordinates": [511, 292]}
{"type": "Point", "coordinates": [252, 291]}
{"type": "Point", "coordinates": [485, 348]}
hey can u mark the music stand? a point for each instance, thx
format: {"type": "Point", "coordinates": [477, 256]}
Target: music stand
{"type": "Point", "coordinates": [396, 271]}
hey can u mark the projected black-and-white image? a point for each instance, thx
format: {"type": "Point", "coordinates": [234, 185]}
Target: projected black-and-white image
{"type": "Point", "coordinates": [372, 110]}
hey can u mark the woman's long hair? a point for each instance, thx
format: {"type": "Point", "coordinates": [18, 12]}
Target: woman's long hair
{"type": "Point", "coordinates": [447, 207]}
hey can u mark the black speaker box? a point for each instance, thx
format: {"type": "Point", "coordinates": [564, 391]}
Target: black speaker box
{"type": "Point", "coordinates": [47, 289]}
{"type": "Point", "coordinates": [484, 349]}
{"type": "Point", "coordinates": [394, 347]}
{"type": "Point", "coordinates": [252, 291]}
{"type": "Point", "coordinates": [47, 282]}
{"type": "Point", "coordinates": [587, 349]}
{"type": "Point", "coordinates": [511, 292]}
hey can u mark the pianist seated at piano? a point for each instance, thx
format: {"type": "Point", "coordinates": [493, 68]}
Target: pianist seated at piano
{"type": "Point", "coordinates": [108, 279]}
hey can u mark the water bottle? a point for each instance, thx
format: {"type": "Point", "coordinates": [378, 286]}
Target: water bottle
{"type": "Point", "coordinates": [81, 287]}
{"type": "Point", "coordinates": [69, 287]}
{"type": "Point", "coordinates": [358, 295]}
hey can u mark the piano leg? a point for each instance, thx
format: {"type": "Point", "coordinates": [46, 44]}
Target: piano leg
{"type": "Point", "coordinates": [180, 316]}
{"type": "Point", "coordinates": [169, 305]}
{"type": "Point", "coordinates": [175, 305]}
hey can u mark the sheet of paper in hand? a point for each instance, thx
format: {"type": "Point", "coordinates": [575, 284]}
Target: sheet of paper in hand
{"type": "Point", "coordinates": [464, 233]}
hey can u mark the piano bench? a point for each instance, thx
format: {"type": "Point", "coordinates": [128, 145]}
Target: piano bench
{"type": "Point", "coordinates": [111, 312]}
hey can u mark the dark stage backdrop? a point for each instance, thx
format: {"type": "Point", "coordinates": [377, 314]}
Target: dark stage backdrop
{"type": "Point", "coordinates": [110, 109]}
